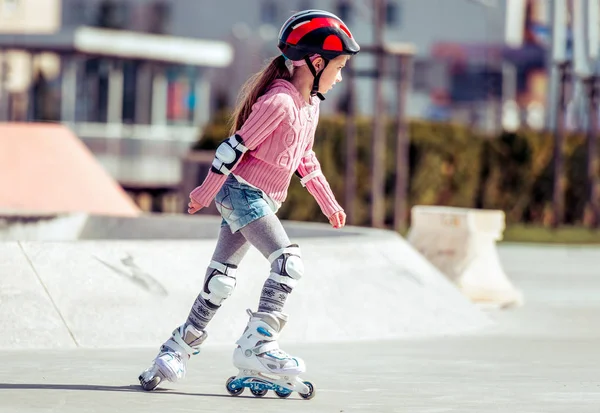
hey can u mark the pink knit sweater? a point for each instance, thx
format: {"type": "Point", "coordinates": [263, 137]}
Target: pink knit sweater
{"type": "Point", "coordinates": [279, 134]}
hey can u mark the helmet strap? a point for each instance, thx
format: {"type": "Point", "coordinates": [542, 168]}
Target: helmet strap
{"type": "Point", "coordinates": [315, 87]}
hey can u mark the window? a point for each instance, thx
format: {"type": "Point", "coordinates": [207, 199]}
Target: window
{"type": "Point", "coordinates": [429, 74]}
{"type": "Point", "coordinates": [392, 13]}
{"type": "Point", "coordinates": [160, 14]}
{"type": "Point", "coordinates": [77, 13]}
{"type": "Point", "coordinates": [476, 83]}
{"type": "Point", "coordinates": [420, 75]}
{"type": "Point", "coordinates": [268, 12]}
{"type": "Point", "coordinates": [112, 15]}
{"type": "Point", "coordinates": [344, 9]}
{"type": "Point", "coordinates": [9, 6]}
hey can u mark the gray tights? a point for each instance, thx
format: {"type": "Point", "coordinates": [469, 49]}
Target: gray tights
{"type": "Point", "coordinates": [265, 234]}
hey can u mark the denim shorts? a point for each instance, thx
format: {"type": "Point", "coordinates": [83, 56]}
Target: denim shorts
{"type": "Point", "coordinates": [240, 204]}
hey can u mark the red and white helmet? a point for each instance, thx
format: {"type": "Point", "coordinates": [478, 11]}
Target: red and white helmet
{"type": "Point", "coordinates": [316, 32]}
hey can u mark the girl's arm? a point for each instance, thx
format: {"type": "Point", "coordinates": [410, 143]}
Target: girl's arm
{"type": "Point", "coordinates": [315, 182]}
{"type": "Point", "coordinates": [265, 117]}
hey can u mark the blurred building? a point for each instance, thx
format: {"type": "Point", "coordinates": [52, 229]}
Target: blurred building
{"type": "Point", "coordinates": [460, 70]}
{"type": "Point", "coordinates": [430, 25]}
{"type": "Point", "coordinates": [144, 107]}
{"type": "Point", "coordinates": [23, 16]}
{"type": "Point", "coordinates": [458, 43]}
{"type": "Point", "coordinates": [138, 98]}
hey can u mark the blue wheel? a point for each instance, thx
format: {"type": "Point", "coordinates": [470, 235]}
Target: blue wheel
{"type": "Point", "coordinates": [284, 394]}
{"type": "Point", "coordinates": [258, 393]}
{"type": "Point", "coordinates": [231, 388]}
{"type": "Point", "coordinates": [311, 391]}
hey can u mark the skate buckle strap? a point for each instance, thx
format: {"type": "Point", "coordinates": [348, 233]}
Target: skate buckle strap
{"type": "Point", "coordinates": [177, 339]}
{"type": "Point", "coordinates": [179, 346]}
{"type": "Point", "coordinates": [267, 332]}
{"type": "Point", "coordinates": [266, 347]}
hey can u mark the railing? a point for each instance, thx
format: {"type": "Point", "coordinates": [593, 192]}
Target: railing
{"type": "Point", "coordinates": [173, 133]}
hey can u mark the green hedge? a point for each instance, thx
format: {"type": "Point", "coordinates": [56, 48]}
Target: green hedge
{"type": "Point", "coordinates": [450, 165]}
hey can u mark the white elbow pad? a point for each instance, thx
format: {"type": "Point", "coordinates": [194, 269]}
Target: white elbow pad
{"type": "Point", "coordinates": [228, 155]}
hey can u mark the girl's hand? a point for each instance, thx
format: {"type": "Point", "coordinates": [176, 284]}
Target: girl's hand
{"type": "Point", "coordinates": [338, 219]}
{"type": "Point", "coordinates": [193, 207]}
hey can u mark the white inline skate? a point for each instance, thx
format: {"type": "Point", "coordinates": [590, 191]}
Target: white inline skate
{"type": "Point", "coordinates": [263, 366]}
{"type": "Point", "coordinates": [170, 363]}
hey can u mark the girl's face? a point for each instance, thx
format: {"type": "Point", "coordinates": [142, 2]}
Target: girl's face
{"type": "Point", "coordinates": [332, 73]}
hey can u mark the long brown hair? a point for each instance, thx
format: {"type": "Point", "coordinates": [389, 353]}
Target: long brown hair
{"type": "Point", "coordinates": [255, 87]}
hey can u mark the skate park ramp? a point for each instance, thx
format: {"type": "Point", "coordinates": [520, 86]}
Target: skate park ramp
{"type": "Point", "coordinates": [72, 281]}
{"type": "Point", "coordinates": [46, 168]}
{"type": "Point", "coordinates": [42, 226]}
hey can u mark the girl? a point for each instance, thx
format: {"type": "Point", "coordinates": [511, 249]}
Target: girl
{"type": "Point", "coordinates": [272, 138]}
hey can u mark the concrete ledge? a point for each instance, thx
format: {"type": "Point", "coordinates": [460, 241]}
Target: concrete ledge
{"type": "Point", "coordinates": [39, 226]}
{"type": "Point", "coordinates": [461, 243]}
{"type": "Point", "coordinates": [360, 284]}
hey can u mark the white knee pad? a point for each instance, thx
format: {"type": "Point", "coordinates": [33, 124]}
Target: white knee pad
{"type": "Point", "coordinates": [220, 284]}
{"type": "Point", "coordinates": [287, 266]}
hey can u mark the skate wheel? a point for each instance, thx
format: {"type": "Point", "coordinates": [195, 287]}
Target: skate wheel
{"type": "Point", "coordinates": [283, 394]}
{"type": "Point", "coordinates": [232, 391]}
{"type": "Point", "coordinates": [258, 393]}
{"type": "Point", "coordinates": [150, 385]}
{"type": "Point", "coordinates": [311, 391]}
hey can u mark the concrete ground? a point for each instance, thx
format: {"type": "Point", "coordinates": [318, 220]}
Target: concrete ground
{"type": "Point", "coordinates": [540, 358]}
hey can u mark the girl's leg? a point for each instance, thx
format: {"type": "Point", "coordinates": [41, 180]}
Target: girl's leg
{"type": "Point", "coordinates": [170, 363]}
{"type": "Point", "coordinates": [269, 237]}
{"type": "Point", "coordinates": [257, 353]}
{"type": "Point", "coordinates": [219, 281]}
